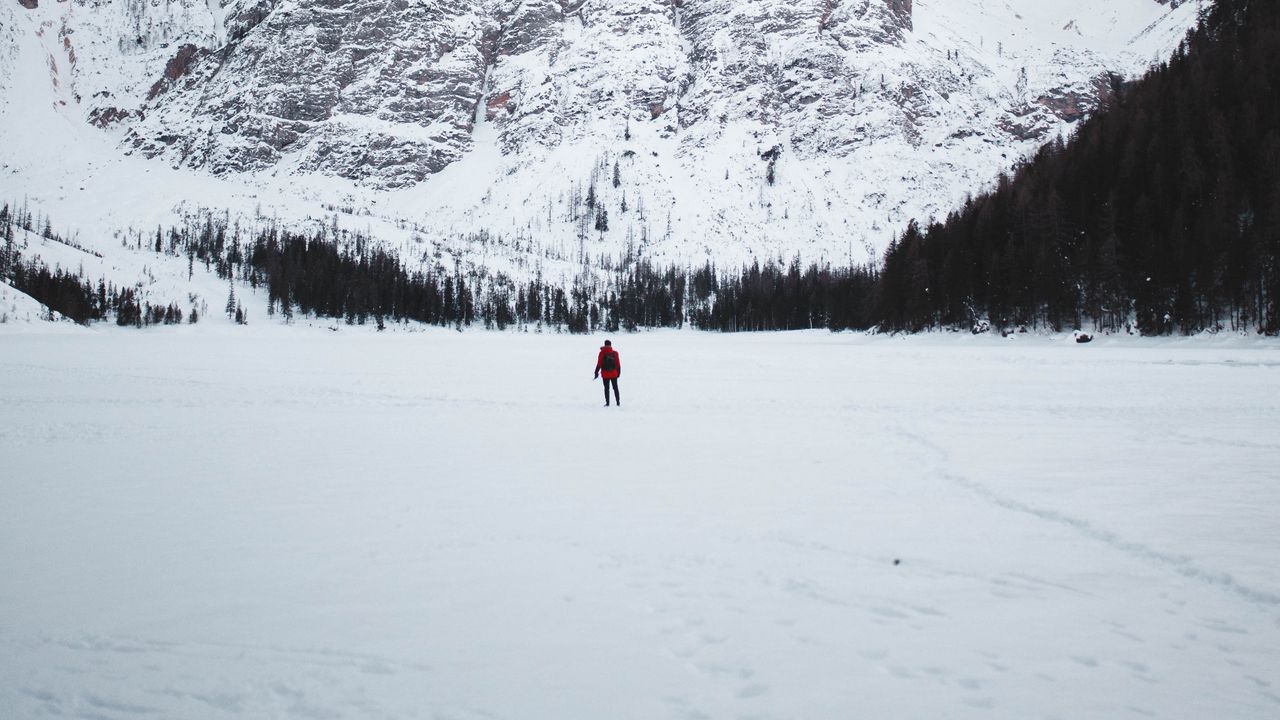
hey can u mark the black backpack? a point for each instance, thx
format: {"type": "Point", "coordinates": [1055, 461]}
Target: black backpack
{"type": "Point", "coordinates": [610, 362]}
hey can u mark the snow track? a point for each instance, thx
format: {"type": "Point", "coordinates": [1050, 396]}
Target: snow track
{"type": "Point", "coordinates": [1181, 565]}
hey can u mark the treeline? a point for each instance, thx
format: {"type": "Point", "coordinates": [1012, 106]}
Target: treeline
{"type": "Point", "coordinates": [359, 281]}
{"type": "Point", "coordinates": [1162, 211]}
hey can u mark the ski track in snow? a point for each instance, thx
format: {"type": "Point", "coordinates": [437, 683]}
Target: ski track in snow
{"type": "Point", "coordinates": [1182, 565]}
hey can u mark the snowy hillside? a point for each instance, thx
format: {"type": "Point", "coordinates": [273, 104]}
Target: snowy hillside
{"type": "Point", "coordinates": [19, 309]}
{"type": "Point", "coordinates": [436, 122]}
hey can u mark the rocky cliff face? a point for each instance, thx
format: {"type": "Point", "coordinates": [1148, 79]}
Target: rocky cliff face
{"type": "Point", "coordinates": [376, 90]}
{"type": "Point", "coordinates": [559, 65]}
{"type": "Point", "coordinates": [386, 91]}
{"type": "Point", "coordinates": [123, 50]}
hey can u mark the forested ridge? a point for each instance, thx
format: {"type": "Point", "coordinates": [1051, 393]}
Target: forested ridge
{"type": "Point", "coordinates": [1160, 215]}
{"type": "Point", "coordinates": [1163, 209]}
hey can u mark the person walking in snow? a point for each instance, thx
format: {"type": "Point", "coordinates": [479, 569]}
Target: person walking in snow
{"type": "Point", "coordinates": [609, 365]}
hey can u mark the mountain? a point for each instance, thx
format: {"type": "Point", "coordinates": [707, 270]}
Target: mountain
{"type": "Point", "coordinates": [688, 128]}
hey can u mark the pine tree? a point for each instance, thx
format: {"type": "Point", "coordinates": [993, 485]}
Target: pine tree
{"type": "Point", "coordinates": [231, 300]}
{"type": "Point", "coordinates": [9, 258]}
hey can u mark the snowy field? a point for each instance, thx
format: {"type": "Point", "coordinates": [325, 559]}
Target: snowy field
{"type": "Point", "coordinates": [274, 523]}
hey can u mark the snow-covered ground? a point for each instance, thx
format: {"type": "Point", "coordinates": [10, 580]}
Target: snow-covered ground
{"type": "Point", "coordinates": [261, 522]}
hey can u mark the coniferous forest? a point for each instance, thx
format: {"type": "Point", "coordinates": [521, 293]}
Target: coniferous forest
{"type": "Point", "coordinates": [1163, 210]}
{"type": "Point", "coordinates": [1160, 215]}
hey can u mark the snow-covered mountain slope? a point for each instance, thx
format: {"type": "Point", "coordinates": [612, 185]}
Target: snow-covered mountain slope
{"type": "Point", "coordinates": [728, 129]}
{"type": "Point", "coordinates": [18, 309]}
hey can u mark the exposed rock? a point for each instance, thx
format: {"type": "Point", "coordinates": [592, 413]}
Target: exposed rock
{"type": "Point", "coordinates": [105, 117]}
{"type": "Point", "coordinates": [381, 91]}
{"type": "Point", "coordinates": [528, 26]}
{"type": "Point", "coordinates": [174, 69]}
{"type": "Point", "coordinates": [244, 15]}
{"type": "Point", "coordinates": [500, 102]}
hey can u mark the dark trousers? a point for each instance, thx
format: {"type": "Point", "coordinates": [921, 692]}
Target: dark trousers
{"type": "Point", "coordinates": [614, 382]}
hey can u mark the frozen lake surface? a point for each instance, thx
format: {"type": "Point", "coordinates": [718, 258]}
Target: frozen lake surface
{"type": "Point", "coordinates": [292, 523]}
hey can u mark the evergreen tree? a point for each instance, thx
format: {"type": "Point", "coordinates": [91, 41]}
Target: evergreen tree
{"type": "Point", "coordinates": [231, 300]}
{"type": "Point", "coordinates": [9, 254]}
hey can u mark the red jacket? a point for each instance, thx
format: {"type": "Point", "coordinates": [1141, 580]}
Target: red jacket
{"type": "Point", "coordinates": [617, 363]}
